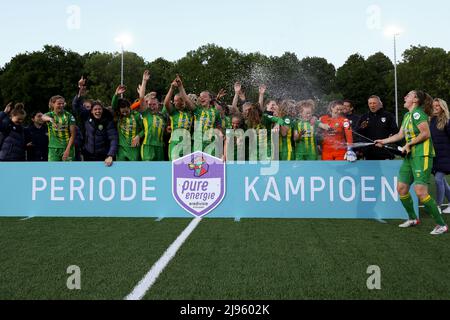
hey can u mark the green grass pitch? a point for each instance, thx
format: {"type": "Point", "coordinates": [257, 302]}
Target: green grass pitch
{"type": "Point", "coordinates": [223, 259]}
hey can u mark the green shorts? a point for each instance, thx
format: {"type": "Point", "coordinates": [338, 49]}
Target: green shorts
{"type": "Point", "coordinates": [128, 154]}
{"type": "Point", "coordinates": [56, 154]}
{"type": "Point", "coordinates": [152, 153]}
{"type": "Point", "coordinates": [306, 157]}
{"type": "Point", "coordinates": [417, 170]}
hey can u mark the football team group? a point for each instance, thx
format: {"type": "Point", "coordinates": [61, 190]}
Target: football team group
{"type": "Point", "coordinates": [270, 129]}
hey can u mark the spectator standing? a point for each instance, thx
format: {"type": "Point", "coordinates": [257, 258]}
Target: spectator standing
{"type": "Point", "coordinates": [440, 133]}
{"type": "Point", "coordinates": [37, 147]}
{"type": "Point", "coordinates": [12, 133]}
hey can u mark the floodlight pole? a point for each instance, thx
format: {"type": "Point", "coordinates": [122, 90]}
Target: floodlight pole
{"type": "Point", "coordinates": [395, 77]}
{"type": "Point", "coordinates": [121, 68]}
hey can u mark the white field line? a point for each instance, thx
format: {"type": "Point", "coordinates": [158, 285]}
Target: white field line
{"type": "Point", "coordinates": [150, 278]}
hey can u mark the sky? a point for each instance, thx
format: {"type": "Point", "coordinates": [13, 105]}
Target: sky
{"type": "Point", "coordinates": [169, 29]}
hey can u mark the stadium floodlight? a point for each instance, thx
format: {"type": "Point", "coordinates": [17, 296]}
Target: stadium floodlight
{"type": "Point", "coordinates": [124, 40]}
{"type": "Point", "coordinates": [394, 32]}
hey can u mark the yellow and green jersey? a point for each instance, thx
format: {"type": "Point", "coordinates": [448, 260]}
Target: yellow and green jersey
{"type": "Point", "coordinates": [410, 128]}
{"type": "Point", "coordinates": [261, 141]}
{"type": "Point", "coordinates": [130, 127]}
{"type": "Point", "coordinates": [286, 148]}
{"type": "Point", "coordinates": [179, 119]}
{"type": "Point", "coordinates": [267, 122]}
{"type": "Point", "coordinates": [59, 134]}
{"type": "Point", "coordinates": [226, 123]}
{"type": "Point", "coordinates": [154, 126]}
{"type": "Point", "coordinates": [231, 136]}
{"type": "Point", "coordinates": [206, 119]}
{"type": "Point", "coordinates": [306, 145]}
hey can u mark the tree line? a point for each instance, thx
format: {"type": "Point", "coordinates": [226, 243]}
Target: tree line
{"type": "Point", "coordinates": [32, 78]}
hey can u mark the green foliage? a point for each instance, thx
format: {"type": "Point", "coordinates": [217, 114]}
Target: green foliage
{"type": "Point", "coordinates": [321, 73]}
{"type": "Point", "coordinates": [427, 69]}
{"type": "Point", "coordinates": [34, 77]}
{"type": "Point", "coordinates": [212, 68]}
{"type": "Point", "coordinates": [103, 73]}
{"type": "Point", "coordinates": [353, 81]}
{"type": "Point", "coordinates": [360, 78]}
{"type": "Point", "coordinates": [380, 68]}
{"type": "Point", "coordinates": [162, 75]}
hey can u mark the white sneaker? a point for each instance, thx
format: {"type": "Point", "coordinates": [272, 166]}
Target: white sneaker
{"type": "Point", "coordinates": [446, 211]}
{"type": "Point", "coordinates": [439, 230]}
{"type": "Point", "coordinates": [410, 223]}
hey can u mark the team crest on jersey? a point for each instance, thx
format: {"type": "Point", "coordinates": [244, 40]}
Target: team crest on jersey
{"type": "Point", "coordinates": [346, 124]}
{"type": "Point", "coordinates": [198, 183]}
{"type": "Point", "coordinates": [418, 173]}
{"type": "Point", "coordinates": [287, 121]}
{"type": "Point", "coordinates": [383, 120]}
{"type": "Point", "coordinates": [416, 116]}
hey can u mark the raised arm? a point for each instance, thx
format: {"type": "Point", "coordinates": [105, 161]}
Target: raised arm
{"type": "Point", "coordinates": [242, 96]}
{"type": "Point", "coordinates": [183, 93]}
{"type": "Point", "coordinates": [77, 102]}
{"type": "Point", "coordinates": [82, 88]}
{"type": "Point", "coordinates": [262, 91]}
{"type": "Point", "coordinates": [119, 92]}
{"type": "Point", "coordinates": [4, 117]}
{"type": "Point", "coordinates": [222, 93]}
{"type": "Point", "coordinates": [237, 90]}
{"type": "Point", "coordinates": [168, 99]}
{"type": "Point", "coordinates": [142, 88]}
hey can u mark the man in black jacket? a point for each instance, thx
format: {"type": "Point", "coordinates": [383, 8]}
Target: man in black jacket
{"type": "Point", "coordinates": [377, 124]}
